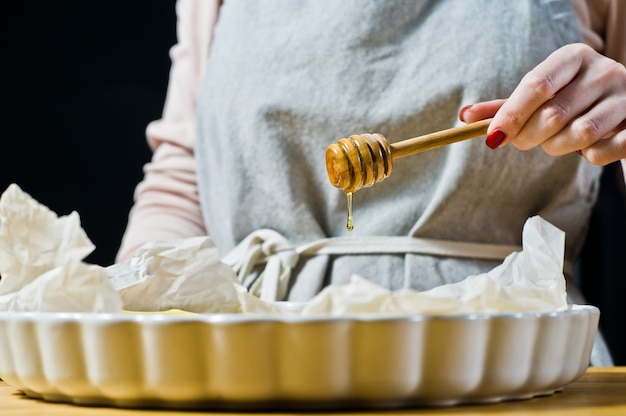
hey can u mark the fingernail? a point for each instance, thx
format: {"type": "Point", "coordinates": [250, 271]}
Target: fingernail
{"type": "Point", "coordinates": [580, 152]}
{"type": "Point", "coordinates": [495, 139]}
{"type": "Point", "coordinates": [462, 112]}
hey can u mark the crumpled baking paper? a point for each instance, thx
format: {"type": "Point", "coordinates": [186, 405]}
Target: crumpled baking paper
{"type": "Point", "coordinates": [529, 280]}
{"type": "Point", "coordinates": [184, 274]}
{"type": "Point", "coordinates": [41, 269]}
{"type": "Point", "coordinates": [41, 261]}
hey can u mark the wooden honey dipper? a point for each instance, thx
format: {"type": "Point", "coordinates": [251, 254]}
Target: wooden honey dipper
{"type": "Point", "coordinates": [363, 160]}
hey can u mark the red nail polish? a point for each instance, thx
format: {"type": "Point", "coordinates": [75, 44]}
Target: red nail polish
{"type": "Point", "coordinates": [495, 139]}
{"type": "Point", "coordinates": [462, 112]}
{"type": "Point", "coordinates": [580, 152]}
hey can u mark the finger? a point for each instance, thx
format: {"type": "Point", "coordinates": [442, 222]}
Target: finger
{"type": "Point", "coordinates": [537, 87]}
{"type": "Point", "coordinates": [607, 150]}
{"type": "Point", "coordinates": [596, 84]}
{"type": "Point", "coordinates": [480, 111]}
{"type": "Point", "coordinates": [602, 120]}
{"type": "Point", "coordinates": [558, 112]}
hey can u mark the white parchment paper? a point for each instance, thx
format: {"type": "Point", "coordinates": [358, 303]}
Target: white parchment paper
{"type": "Point", "coordinates": [42, 269]}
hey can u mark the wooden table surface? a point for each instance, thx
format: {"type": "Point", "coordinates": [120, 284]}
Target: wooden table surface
{"type": "Point", "coordinates": [600, 392]}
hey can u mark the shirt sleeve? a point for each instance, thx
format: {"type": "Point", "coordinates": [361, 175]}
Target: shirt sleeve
{"type": "Point", "coordinates": [603, 26]}
{"type": "Point", "coordinates": [166, 204]}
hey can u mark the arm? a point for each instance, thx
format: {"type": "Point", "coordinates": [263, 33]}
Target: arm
{"type": "Point", "coordinates": [600, 18]}
{"type": "Point", "coordinates": [576, 99]}
{"type": "Point", "coordinates": [166, 201]}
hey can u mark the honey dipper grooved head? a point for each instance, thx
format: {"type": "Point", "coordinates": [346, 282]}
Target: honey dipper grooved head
{"type": "Point", "coordinates": [358, 161]}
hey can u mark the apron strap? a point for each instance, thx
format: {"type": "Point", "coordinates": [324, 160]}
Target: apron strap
{"type": "Point", "coordinates": [269, 247]}
{"type": "Point", "coordinates": [406, 244]}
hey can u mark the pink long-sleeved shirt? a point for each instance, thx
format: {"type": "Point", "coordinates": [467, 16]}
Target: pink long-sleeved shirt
{"type": "Point", "coordinates": [166, 201]}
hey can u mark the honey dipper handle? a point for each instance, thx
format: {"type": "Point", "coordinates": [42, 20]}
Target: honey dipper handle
{"type": "Point", "coordinates": [441, 138]}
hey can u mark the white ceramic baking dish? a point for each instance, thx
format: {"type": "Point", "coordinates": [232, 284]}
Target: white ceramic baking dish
{"type": "Point", "coordinates": [291, 361]}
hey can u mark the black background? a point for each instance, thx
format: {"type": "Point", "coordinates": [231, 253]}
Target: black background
{"type": "Point", "coordinates": [82, 79]}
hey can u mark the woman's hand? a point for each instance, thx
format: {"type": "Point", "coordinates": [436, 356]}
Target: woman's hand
{"type": "Point", "coordinates": [574, 101]}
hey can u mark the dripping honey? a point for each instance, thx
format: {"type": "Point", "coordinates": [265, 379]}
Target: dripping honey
{"type": "Point", "coordinates": [350, 222]}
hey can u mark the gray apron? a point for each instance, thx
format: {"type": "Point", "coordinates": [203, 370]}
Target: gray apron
{"type": "Point", "coordinates": [287, 78]}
